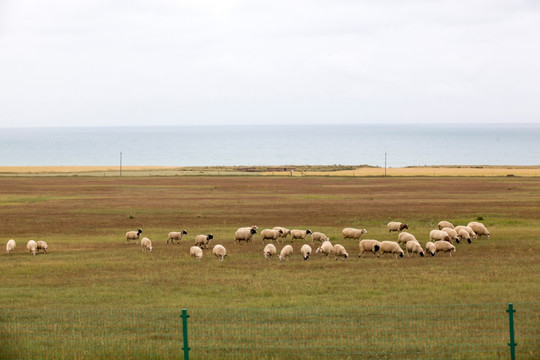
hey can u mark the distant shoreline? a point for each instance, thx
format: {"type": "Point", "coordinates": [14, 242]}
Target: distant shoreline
{"type": "Point", "coordinates": [288, 170]}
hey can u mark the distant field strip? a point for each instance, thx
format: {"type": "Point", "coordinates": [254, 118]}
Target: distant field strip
{"type": "Point", "coordinates": [398, 332]}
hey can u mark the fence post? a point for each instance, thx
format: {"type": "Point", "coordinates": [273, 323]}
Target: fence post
{"type": "Point", "coordinates": [512, 343]}
{"type": "Point", "coordinates": [184, 332]}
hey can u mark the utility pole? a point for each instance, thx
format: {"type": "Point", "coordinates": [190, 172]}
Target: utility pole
{"type": "Point", "coordinates": [120, 163]}
{"type": "Point", "coordinates": [385, 163]}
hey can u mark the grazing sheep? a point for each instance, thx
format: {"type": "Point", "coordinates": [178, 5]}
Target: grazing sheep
{"type": "Point", "coordinates": [352, 233]}
{"type": "Point", "coordinates": [445, 224]}
{"type": "Point", "coordinates": [430, 248]}
{"type": "Point", "coordinates": [369, 245]}
{"type": "Point", "coordinates": [300, 234]}
{"type": "Point", "coordinates": [318, 236]}
{"type": "Point", "coordinates": [464, 235]}
{"type": "Point", "coordinates": [404, 237]}
{"type": "Point", "coordinates": [340, 252]}
{"type": "Point", "coordinates": [42, 245]}
{"type": "Point", "coordinates": [479, 228]}
{"type": "Point", "coordinates": [269, 250]}
{"type": "Point", "coordinates": [471, 232]}
{"type": "Point", "coordinates": [284, 234]}
{"type": "Point", "coordinates": [176, 235]}
{"type": "Point", "coordinates": [271, 234]}
{"type": "Point", "coordinates": [219, 251]}
{"type": "Point", "coordinates": [146, 244]}
{"type": "Point", "coordinates": [396, 226]}
{"type": "Point", "coordinates": [202, 240]}
{"type": "Point", "coordinates": [325, 248]}
{"type": "Point", "coordinates": [133, 235]}
{"type": "Point", "coordinates": [391, 247]}
{"type": "Point", "coordinates": [306, 251]}
{"type": "Point", "coordinates": [452, 234]}
{"type": "Point", "coordinates": [286, 252]}
{"type": "Point", "coordinates": [10, 246]}
{"type": "Point", "coordinates": [245, 233]}
{"type": "Point", "coordinates": [414, 247]}
{"type": "Point", "coordinates": [436, 235]}
{"type": "Point", "coordinates": [196, 252]}
{"type": "Point", "coordinates": [444, 247]}
{"type": "Point", "coordinates": [32, 247]}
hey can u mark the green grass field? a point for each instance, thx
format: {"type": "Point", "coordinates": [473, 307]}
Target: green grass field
{"type": "Point", "coordinates": [89, 266]}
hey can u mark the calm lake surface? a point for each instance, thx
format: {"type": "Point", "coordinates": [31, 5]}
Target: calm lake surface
{"type": "Point", "coordinates": [405, 145]}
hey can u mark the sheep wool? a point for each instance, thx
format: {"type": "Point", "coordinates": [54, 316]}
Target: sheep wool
{"type": "Point", "coordinates": [325, 248]}
{"type": "Point", "coordinates": [245, 233]}
{"type": "Point", "coordinates": [369, 245]}
{"type": "Point", "coordinates": [479, 229]}
{"type": "Point", "coordinates": [318, 236]}
{"type": "Point", "coordinates": [219, 252]}
{"type": "Point", "coordinates": [439, 235]}
{"type": "Point", "coordinates": [286, 252]}
{"type": "Point", "coordinates": [340, 252]}
{"type": "Point", "coordinates": [269, 251]}
{"type": "Point", "coordinates": [300, 234]}
{"type": "Point", "coordinates": [452, 234]}
{"type": "Point", "coordinates": [146, 244]}
{"type": "Point", "coordinates": [284, 232]}
{"type": "Point", "coordinates": [396, 226]}
{"type": "Point", "coordinates": [352, 233]}
{"type": "Point", "coordinates": [391, 247]}
{"type": "Point", "coordinates": [445, 247]}
{"type": "Point", "coordinates": [445, 224]}
{"type": "Point", "coordinates": [10, 246]}
{"type": "Point", "coordinates": [414, 247]}
{"type": "Point", "coordinates": [133, 235]}
{"type": "Point", "coordinates": [32, 247]}
{"type": "Point", "coordinates": [42, 245]}
{"type": "Point", "coordinates": [306, 251]}
{"type": "Point", "coordinates": [471, 232]}
{"type": "Point", "coordinates": [196, 252]}
{"type": "Point", "coordinates": [464, 235]}
{"type": "Point", "coordinates": [203, 240]}
{"type": "Point", "coordinates": [271, 234]}
{"type": "Point", "coordinates": [430, 248]}
{"type": "Point", "coordinates": [176, 235]}
{"type": "Point", "coordinates": [404, 237]}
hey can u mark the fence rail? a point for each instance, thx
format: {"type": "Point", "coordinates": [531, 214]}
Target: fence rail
{"type": "Point", "coordinates": [397, 332]}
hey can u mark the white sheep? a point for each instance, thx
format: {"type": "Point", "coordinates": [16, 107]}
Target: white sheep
{"type": "Point", "coordinates": [269, 250]}
{"type": "Point", "coordinates": [270, 234]}
{"type": "Point", "coordinates": [286, 252]}
{"type": "Point", "coordinates": [464, 235]}
{"type": "Point", "coordinates": [219, 251]}
{"type": "Point", "coordinates": [479, 228]}
{"type": "Point", "coordinates": [284, 234]}
{"type": "Point", "coordinates": [32, 247]}
{"type": "Point", "coordinates": [452, 234]}
{"type": "Point", "coordinates": [318, 236]}
{"type": "Point", "coordinates": [299, 234]}
{"type": "Point", "coordinates": [445, 224]}
{"type": "Point", "coordinates": [10, 246]}
{"type": "Point", "coordinates": [326, 248]}
{"type": "Point", "coordinates": [202, 240]}
{"type": "Point", "coordinates": [306, 251]}
{"type": "Point", "coordinates": [396, 226]}
{"type": "Point", "coordinates": [352, 233]}
{"type": "Point", "coordinates": [340, 252]}
{"type": "Point", "coordinates": [42, 245]}
{"type": "Point", "coordinates": [133, 235]}
{"type": "Point", "coordinates": [146, 244]}
{"type": "Point", "coordinates": [404, 237]}
{"type": "Point", "coordinates": [196, 252]}
{"type": "Point", "coordinates": [176, 235]}
{"type": "Point", "coordinates": [391, 247]}
{"type": "Point", "coordinates": [369, 245]}
{"type": "Point", "coordinates": [444, 247]}
{"type": "Point", "coordinates": [436, 235]}
{"type": "Point", "coordinates": [414, 247]}
{"type": "Point", "coordinates": [471, 232]}
{"type": "Point", "coordinates": [245, 233]}
{"type": "Point", "coordinates": [430, 248]}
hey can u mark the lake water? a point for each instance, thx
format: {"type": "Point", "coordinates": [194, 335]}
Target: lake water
{"type": "Point", "coordinates": [405, 145]}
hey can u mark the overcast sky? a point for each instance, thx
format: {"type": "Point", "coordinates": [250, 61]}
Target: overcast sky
{"type": "Point", "coordinates": [183, 62]}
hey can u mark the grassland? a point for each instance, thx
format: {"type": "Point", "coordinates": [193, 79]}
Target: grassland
{"type": "Point", "coordinates": [84, 219]}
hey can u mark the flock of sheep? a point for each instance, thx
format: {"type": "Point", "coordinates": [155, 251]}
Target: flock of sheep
{"type": "Point", "coordinates": [440, 240]}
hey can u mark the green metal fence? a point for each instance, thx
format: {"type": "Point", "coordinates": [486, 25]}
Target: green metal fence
{"type": "Point", "coordinates": [397, 332]}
